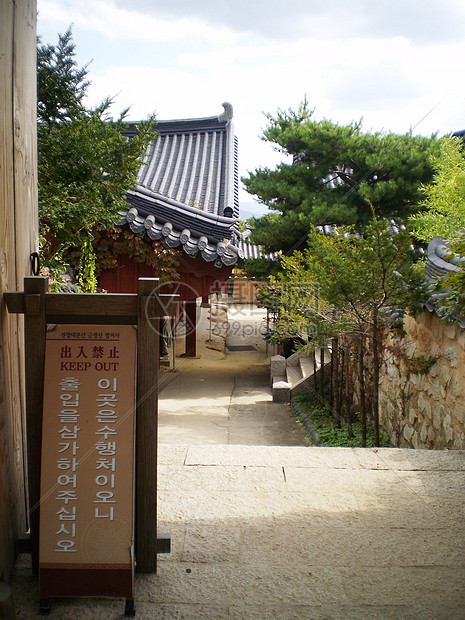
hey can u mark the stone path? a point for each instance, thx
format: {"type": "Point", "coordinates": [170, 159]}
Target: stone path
{"type": "Point", "coordinates": [278, 533]}
{"type": "Point", "coordinates": [269, 532]}
{"type": "Point", "coordinates": [225, 397]}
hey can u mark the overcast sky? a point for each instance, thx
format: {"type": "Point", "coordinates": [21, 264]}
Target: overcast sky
{"type": "Point", "coordinates": [396, 64]}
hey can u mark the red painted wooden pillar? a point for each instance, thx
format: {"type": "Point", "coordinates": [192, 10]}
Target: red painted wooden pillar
{"type": "Point", "coordinates": [190, 308]}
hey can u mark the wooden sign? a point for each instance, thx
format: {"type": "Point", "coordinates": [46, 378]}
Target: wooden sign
{"type": "Point", "coordinates": [87, 475]}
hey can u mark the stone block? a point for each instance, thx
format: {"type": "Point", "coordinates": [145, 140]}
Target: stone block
{"type": "Point", "coordinates": [412, 416]}
{"type": "Point", "coordinates": [450, 331]}
{"type": "Point", "coordinates": [424, 433]}
{"type": "Point", "coordinates": [427, 319]}
{"type": "Point", "coordinates": [410, 348]}
{"type": "Point", "coordinates": [437, 328]}
{"type": "Point", "coordinates": [461, 339]}
{"type": "Point", "coordinates": [431, 435]}
{"type": "Point", "coordinates": [424, 338]}
{"type": "Point", "coordinates": [278, 365]}
{"type": "Point", "coordinates": [459, 439]}
{"type": "Point", "coordinates": [436, 391]}
{"type": "Point", "coordinates": [447, 426]}
{"type": "Point", "coordinates": [281, 391]}
{"type": "Point", "coordinates": [428, 387]}
{"type": "Point", "coordinates": [411, 327]}
{"type": "Point", "coordinates": [293, 360]}
{"type": "Point", "coordinates": [408, 433]}
{"type": "Point", "coordinates": [459, 413]}
{"type": "Point", "coordinates": [424, 405]}
{"type": "Point", "coordinates": [438, 415]}
{"type": "Point", "coordinates": [392, 371]}
{"type": "Point", "coordinates": [444, 376]}
{"type": "Point", "coordinates": [457, 386]}
{"type": "Point", "coordinates": [450, 353]}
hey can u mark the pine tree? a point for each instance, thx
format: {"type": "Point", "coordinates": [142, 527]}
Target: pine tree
{"type": "Point", "coordinates": [333, 175]}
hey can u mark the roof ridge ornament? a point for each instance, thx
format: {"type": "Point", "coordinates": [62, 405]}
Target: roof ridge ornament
{"type": "Point", "coordinates": [227, 114]}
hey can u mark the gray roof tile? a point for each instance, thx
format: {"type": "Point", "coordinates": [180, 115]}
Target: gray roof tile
{"type": "Point", "coordinates": [188, 177]}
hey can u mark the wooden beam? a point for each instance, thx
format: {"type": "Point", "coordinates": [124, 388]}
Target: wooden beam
{"type": "Point", "coordinates": [146, 431]}
{"type": "Point", "coordinates": [88, 304]}
{"type": "Point", "coordinates": [89, 308]}
{"type": "Point", "coordinates": [35, 331]}
{"type": "Point", "coordinates": [15, 302]}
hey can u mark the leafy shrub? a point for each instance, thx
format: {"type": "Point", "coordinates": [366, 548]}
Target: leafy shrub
{"type": "Point", "coordinates": [330, 435]}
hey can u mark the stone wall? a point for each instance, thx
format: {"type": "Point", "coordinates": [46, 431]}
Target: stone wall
{"type": "Point", "coordinates": [422, 385]}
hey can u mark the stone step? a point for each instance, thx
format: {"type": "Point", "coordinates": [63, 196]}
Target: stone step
{"type": "Point", "coordinates": [281, 389]}
{"type": "Point", "coordinates": [306, 366]}
{"type": "Point", "coordinates": [293, 375]}
{"type": "Point", "coordinates": [300, 373]}
{"type": "Point", "coordinates": [310, 373]}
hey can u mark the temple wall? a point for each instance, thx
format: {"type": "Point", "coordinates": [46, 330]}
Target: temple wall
{"type": "Point", "coordinates": [422, 385]}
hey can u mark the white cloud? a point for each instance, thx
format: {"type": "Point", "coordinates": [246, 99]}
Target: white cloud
{"type": "Point", "coordinates": [423, 21]}
{"type": "Point", "coordinates": [391, 62]}
{"type": "Point", "coordinates": [123, 24]}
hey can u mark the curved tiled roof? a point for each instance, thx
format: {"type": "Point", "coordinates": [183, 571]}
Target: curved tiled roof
{"type": "Point", "coordinates": [333, 229]}
{"type": "Point", "coordinates": [188, 187]}
{"type": "Point", "coordinates": [254, 251]}
{"type": "Point", "coordinates": [440, 262]}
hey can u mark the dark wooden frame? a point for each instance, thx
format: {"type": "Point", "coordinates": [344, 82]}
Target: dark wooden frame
{"type": "Point", "coordinates": [143, 309]}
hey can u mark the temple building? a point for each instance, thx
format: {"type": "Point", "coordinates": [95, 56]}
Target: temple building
{"type": "Point", "coordinates": [187, 196]}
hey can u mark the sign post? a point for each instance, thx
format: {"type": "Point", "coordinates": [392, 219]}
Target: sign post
{"type": "Point", "coordinates": [83, 395]}
{"type": "Point", "coordinates": [87, 474]}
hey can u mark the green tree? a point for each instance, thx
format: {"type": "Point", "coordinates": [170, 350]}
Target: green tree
{"type": "Point", "coordinates": [336, 174]}
{"type": "Point", "coordinates": [343, 285]}
{"type": "Point", "coordinates": [443, 206]}
{"type": "Point", "coordinates": [444, 216]}
{"type": "Point", "coordinates": [61, 84]}
{"type": "Point", "coordinates": [85, 164]}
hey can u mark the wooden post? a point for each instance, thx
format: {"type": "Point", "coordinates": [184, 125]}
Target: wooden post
{"type": "Point", "coordinates": [18, 238]}
{"type": "Point", "coordinates": [148, 329]}
{"type": "Point", "coordinates": [191, 327]}
{"type": "Point", "coordinates": [35, 327]}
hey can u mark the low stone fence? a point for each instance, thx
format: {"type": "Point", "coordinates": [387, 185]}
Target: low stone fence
{"type": "Point", "coordinates": [422, 385]}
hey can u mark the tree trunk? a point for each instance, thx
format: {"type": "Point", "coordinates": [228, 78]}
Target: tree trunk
{"type": "Point", "coordinates": [335, 373]}
{"type": "Point", "coordinates": [331, 375]}
{"type": "Point", "coordinates": [375, 378]}
{"type": "Point", "coordinates": [363, 411]}
{"type": "Point", "coordinates": [314, 370]}
{"type": "Point", "coordinates": [322, 372]}
{"type": "Point", "coordinates": [341, 386]}
{"type": "Point", "coordinates": [348, 402]}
